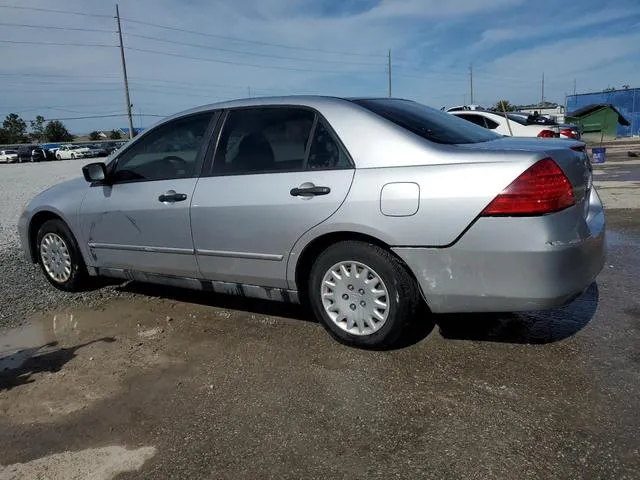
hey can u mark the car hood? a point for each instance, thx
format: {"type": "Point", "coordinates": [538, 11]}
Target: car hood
{"type": "Point", "coordinates": [523, 144]}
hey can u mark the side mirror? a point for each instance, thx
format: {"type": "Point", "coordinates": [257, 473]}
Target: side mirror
{"type": "Point", "coordinates": [95, 172]}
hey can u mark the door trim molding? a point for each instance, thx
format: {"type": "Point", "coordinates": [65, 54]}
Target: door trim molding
{"type": "Point", "coordinates": [141, 248]}
{"type": "Point", "coordinates": [243, 255]}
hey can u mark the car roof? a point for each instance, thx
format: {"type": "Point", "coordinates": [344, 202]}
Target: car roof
{"type": "Point", "coordinates": [312, 101]}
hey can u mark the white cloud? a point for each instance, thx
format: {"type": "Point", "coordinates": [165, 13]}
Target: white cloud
{"type": "Point", "coordinates": [494, 36]}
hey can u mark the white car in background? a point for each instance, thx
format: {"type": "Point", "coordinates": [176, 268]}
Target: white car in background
{"type": "Point", "coordinates": [8, 156]}
{"type": "Point", "coordinates": [67, 152]}
{"type": "Point", "coordinates": [519, 125]}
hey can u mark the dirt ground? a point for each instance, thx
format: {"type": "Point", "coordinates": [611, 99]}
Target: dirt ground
{"type": "Point", "coordinates": [174, 384]}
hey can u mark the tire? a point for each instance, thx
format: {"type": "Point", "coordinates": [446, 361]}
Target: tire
{"type": "Point", "coordinates": [58, 156]}
{"type": "Point", "coordinates": [73, 156]}
{"type": "Point", "coordinates": [389, 274]}
{"type": "Point", "coordinates": [77, 277]}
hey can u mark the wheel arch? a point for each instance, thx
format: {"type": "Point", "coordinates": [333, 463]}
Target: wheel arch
{"type": "Point", "coordinates": [322, 242]}
{"type": "Point", "coordinates": [39, 219]}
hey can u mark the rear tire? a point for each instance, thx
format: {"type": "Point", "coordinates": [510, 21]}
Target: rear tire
{"type": "Point", "coordinates": [362, 294]}
{"type": "Point", "coordinates": [59, 257]}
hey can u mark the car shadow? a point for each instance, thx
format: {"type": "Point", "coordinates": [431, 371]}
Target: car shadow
{"type": "Point", "coordinates": [18, 368]}
{"type": "Point", "coordinates": [212, 299]}
{"type": "Point", "coordinates": [537, 327]}
{"type": "Point", "coordinates": [540, 327]}
{"type": "Point", "coordinates": [416, 330]}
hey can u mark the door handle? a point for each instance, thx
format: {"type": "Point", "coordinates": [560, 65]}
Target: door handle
{"type": "Point", "coordinates": [172, 196]}
{"type": "Point", "coordinates": [309, 191]}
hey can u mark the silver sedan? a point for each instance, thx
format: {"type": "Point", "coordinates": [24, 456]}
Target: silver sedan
{"type": "Point", "coordinates": [364, 207]}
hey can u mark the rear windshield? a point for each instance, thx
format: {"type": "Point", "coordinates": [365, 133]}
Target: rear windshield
{"type": "Point", "coordinates": [427, 122]}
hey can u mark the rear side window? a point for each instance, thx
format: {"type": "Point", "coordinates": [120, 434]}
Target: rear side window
{"type": "Point", "coordinates": [259, 140]}
{"type": "Point", "coordinates": [491, 125]}
{"type": "Point", "coordinates": [325, 152]}
{"type": "Point", "coordinates": [477, 119]}
{"type": "Point", "coordinates": [427, 122]}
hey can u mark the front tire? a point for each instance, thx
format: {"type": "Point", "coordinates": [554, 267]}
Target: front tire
{"type": "Point", "coordinates": [362, 294]}
{"type": "Point", "coordinates": [58, 157]}
{"type": "Point", "coordinates": [59, 257]}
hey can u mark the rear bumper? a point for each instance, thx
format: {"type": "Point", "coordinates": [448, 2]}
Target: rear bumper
{"type": "Point", "coordinates": [513, 264]}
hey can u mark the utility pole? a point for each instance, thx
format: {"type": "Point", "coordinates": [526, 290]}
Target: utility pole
{"type": "Point", "coordinates": [249, 90]}
{"type": "Point", "coordinates": [124, 73]}
{"type": "Point", "coordinates": [471, 81]}
{"type": "Point", "coordinates": [574, 87]}
{"type": "Point", "coordinates": [389, 68]}
{"type": "Point", "coordinates": [542, 95]}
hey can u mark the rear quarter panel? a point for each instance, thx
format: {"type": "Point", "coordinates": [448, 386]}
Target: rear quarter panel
{"type": "Point", "coordinates": [451, 196]}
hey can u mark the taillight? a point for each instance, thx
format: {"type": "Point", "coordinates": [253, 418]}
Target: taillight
{"type": "Point", "coordinates": [567, 132]}
{"type": "Point", "coordinates": [542, 188]}
{"type": "Point", "coordinates": [547, 134]}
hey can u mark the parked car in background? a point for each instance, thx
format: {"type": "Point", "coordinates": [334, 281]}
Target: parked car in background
{"type": "Point", "coordinates": [8, 156]}
{"type": "Point", "coordinates": [110, 147]}
{"type": "Point", "coordinates": [96, 150]}
{"type": "Point", "coordinates": [364, 207]}
{"type": "Point", "coordinates": [67, 152]}
{"type": "Point", "coordinates": [519, 125]}
{"type": "Point", "coordinates": [459, 108]}
{"type": "Point", "coordinates": [30, 153]}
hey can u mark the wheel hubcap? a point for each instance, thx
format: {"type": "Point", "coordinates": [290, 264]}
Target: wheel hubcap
{"type": "Point", "coordinates": [355, 298]}
{"type": "Point", "coordinates": [55, 257]}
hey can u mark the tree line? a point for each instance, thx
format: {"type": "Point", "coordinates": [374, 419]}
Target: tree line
{"type": "Point", "coordinates": [15, 130]}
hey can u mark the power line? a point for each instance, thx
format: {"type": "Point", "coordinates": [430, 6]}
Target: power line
{"type": "Point", "coordinates": [50, 10]}
{"type": "Point", "coordinates": [274, 67]}
{"type": "Point", "coordinates": [100, 116]}
{"type": "Point", "coordinates": [57, 44]}
{"type": "Point", "coordinates": [255, 42]}
{"type": "Point", "coordinates": [53, 27]}
{"type": "Point", "coordinates": [265, 55]}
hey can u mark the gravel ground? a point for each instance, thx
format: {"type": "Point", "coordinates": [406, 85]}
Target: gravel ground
{"type": "Point", "coordinates": [19, 183]}
{"type": "Point", "coordinates": [24, 289]}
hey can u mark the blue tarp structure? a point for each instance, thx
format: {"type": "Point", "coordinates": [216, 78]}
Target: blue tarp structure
{"type": "Point", "coordinates": [627, 102]}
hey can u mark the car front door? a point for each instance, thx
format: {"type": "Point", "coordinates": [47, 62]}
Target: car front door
{"type": "Point", "coordinates": [139, 220]}
{"type": "Point", "coordinates": [277, 172]}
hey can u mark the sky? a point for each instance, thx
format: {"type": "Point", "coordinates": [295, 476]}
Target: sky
{"type": "Point", "coordinates": [184, 53]}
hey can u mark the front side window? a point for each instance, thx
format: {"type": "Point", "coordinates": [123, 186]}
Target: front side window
{"type": "Point", "coordinates": [168, 152]}
{"type": "Point", "coordinates": [260, 140]}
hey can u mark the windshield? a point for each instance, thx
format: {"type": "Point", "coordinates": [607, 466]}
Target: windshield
{"type": "Point", "coordinates": [10, 152]}
{"type": "Point", "coordinates": [427, 122]}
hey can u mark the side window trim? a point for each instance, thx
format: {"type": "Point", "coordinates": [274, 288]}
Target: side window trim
{"type": "Point", "coordinates": [312, 136]}
{"type": "Point", "coordinates": [214, 114]}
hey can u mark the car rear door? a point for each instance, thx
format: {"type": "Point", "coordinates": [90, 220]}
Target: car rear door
{"type": "Point", "coordinates": [276, 173]}
{"type": "Point", "coordinates": [139, 220]}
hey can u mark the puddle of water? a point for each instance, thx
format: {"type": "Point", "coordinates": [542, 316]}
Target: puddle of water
{"type": "Point", "coordinates": [39, 337]}
{"type": "Point", "coordinates": [20, 344]}
{"type": "Point", "coordinates": [615, 239]}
